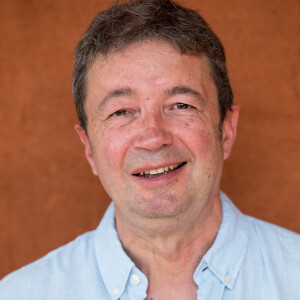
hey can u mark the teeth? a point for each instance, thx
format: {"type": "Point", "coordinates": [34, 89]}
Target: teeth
{"type": "Point", "coordinates": [159, 170]}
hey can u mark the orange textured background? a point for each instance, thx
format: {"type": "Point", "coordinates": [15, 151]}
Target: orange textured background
{"type": "Point", "coordinates": [48, 193]}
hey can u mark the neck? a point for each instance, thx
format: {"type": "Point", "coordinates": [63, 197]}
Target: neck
{"type": "Point", "coordinates": [169, 252]}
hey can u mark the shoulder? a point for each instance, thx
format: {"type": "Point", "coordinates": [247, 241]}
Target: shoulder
{"type": "Point", "coordinates": [277, 251]}
{"type": "Point", "coordinates": [49, 274]}
{"type": "Point", "coordinates": [274, 238]}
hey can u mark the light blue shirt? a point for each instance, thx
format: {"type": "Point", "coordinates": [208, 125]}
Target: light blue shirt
{"type": "Point", "coordinates": [250, 259]}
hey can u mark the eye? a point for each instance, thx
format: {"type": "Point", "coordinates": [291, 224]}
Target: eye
{"type": "Point", "coordinates": [183, 106]}
{"type": "Point", "coordinates": [120, 112]}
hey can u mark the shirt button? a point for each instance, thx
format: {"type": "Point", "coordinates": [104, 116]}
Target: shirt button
{"type": "Point", "coordinates": [228, 277]}
{"type": "Point", "coordinates": [134, 279]}
{"type": "Point", "coordinates": [116, 291]}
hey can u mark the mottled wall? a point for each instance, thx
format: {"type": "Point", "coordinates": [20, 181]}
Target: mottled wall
{"type": "Point", "coordinates": [48, 193]}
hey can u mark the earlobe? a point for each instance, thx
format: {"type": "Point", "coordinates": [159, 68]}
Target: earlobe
{"type": "Point", "coordinates": [229, 130]}
{"type": "Point", "coordinates": [87, 147]}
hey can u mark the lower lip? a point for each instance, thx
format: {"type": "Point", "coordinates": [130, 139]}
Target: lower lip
{"type": "Point", "coordinates": [163, 177]}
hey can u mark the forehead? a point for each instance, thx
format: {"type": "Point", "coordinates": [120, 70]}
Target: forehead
{"type": "Point", "coordinates": [148, 66]}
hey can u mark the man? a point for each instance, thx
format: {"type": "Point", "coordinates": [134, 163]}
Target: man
{"type": "Point", "coordinates": [157, 121]}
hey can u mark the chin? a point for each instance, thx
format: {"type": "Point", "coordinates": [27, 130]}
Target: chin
{"type": "Point", "coordinates": [166, 207]}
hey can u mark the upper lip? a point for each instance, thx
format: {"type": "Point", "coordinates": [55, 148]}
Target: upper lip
{"type": "Point", "coordinates": [151, 167]}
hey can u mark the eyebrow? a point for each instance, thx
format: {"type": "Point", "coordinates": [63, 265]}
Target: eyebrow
{"type": "Point", "coordinates": [125, 91]}
{"type": "Point", "coordinates": [183, 90]}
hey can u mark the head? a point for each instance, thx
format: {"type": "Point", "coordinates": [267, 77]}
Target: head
{"type": "Point", "coordinates": [152, 93]}
{"type": "Point", "coordinates": [127, 23]}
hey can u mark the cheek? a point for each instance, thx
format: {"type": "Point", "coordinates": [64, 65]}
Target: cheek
{"type": "Point", "coordinates": [113, 146]}
{"type": "Point", "coordinates": [198, 135]}
{"type": "Point", "coordinates": [202, 140]}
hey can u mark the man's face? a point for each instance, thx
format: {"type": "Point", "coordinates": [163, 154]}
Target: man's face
{"type": "Point", "coordinates": [153, 122]}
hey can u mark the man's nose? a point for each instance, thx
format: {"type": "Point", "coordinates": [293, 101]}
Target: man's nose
{"type": "Point", "coordinates": [153, 132]}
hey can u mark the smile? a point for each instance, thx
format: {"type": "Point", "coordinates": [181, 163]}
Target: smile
{"type": "Point", "coordinates": [157, 172]}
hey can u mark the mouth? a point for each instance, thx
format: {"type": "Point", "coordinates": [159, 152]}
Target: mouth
{"type": "Point", "coordinates": [159, 171]}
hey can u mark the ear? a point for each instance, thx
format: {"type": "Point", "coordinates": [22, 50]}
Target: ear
{"type": "Point", "coordinates": [229, 129]}
{"type": "Point", "coordinates": [87, 147]}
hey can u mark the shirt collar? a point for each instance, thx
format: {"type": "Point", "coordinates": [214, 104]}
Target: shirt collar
{"type": "Point", "coordinates": [115, 266]}
{"type": "Point", "coordinates": [228, 251]}
{"type": "Point", "coordinates": [224, 258]}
